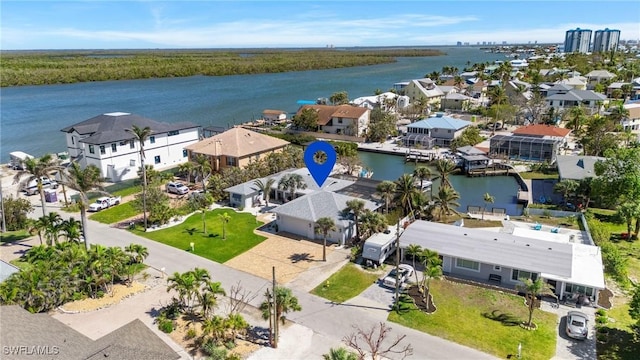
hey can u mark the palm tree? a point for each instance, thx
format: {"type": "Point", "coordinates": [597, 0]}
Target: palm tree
{"type": "Point", "coordinates": [372, 222]}
{"type": "Point", "coordinates": [488, 199]}
{"type": "Point", "coordinates": [429, 258]}
{"type": "Point", "coordinates": [137, 252]}
{"type": "Point", "coordinates": [387, 190]}
{"type": "Point", "coordinates": [566, 187]}
{"type": "Point", "coordinates": [224, 217]}
{"type": "Point", "coordinates": [406, 192]}
{"type": "Point", "coordinates": [186, 285]}
{"type": "Point", "coordinates": [72, 229]}
{"type": "Point", "coordinates": [323, 226]}
{"type": "Point", "coordinates": [445, 168]}
{"type": "Point", "coordinates": [285, 303]}
{"type": "Point", "coordinates": [422, 173]}
{"type": "Point", "coordinates": [265, 188]}
{"type": "Point", "coordinates": [53, 222]}
{"type": "Point", "coordinates": [414, 250]}
{"type": "Point", "coordinates": [202, 169]}
{"type": "Point", "coordinates": [445, 202]}
{"type": "Point", "coordinates": [83, 181]}
{"type": "Point", "coordinates": [35, 169]}
{"type": "Point", "coordinates": [141, 135]}
{"type": "Point", "coordinates": [292, 182]}
{"type": "Point", "coordinates": [208, 297]}
{"type": "Point", "coordinates": [339, 354]}
{"type": "Point", "coordinates": [532, 288]}
{"type": "Point", "coordinates": [432, 271]}
{"type": "Point", "coordinates": [355, 206]}
{"type": "Point", "coordinates": [187, 169]}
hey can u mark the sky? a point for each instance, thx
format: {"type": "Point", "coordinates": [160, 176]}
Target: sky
{"type": "Point", "coordinates": [149, 24]}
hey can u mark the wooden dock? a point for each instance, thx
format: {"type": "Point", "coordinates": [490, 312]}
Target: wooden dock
{"type": "Point", "coordinates": [488, 171]}
{"type": "Point", "coordinates": [418, 157]}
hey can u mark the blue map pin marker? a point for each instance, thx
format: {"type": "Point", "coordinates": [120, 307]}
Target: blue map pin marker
{"type": "Point", "coordinates": [320, 172]}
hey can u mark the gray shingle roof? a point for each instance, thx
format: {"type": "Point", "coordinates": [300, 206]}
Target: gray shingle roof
{"type": "Point", "coordinates": [131, 341]}
{"type": "Point", "coordinates": [111, 127]}
{"type": "Point", "coordinates": [576, 167]}
{"type": "Point", "coordinates": [320, 204]}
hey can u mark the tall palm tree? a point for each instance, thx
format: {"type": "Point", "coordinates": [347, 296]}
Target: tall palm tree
{"type": "Point", "coordinates": [532, 288]}
{"type": "Point", "coordinates": [35, 169]}
{"type": "Point", "coordinates": [224, 217]}
{"type": "Point", "coordinates": [292, 182]}
{"type": "Point", "coordinates": [432, 271]}
{"type": "Point", "coordinates": [202, 169]}
{"type": "Point", "coordinates": [285, 303]}
{"type": "Point", "coordinates": [414, 250]}
{"type": "Point", "coordinates": [488, 199]}
{"type": "Point", "coordinates": [265, 188]}
{"type": "Point", "coordinates": [445, 168]}
{"type": "Point", "coordinates": [429, 258]}
{"type": "Point", "coordinates": [208, 297]}
{"type": "Point", "coordinates": [406, 192]}
{"type": "Point", "coordinates": [356, 207]}
{"type": "Point", "coordinates": [387, 191]}
{"type": "Point", "coordinates": [445, 202]}
{"type": "Point", "coordinates": [83, 181]}
{"type": "Point", "coordinates": [323, 226]}
{"type": "Point", "coordinates": [187, 169]}
{"type": "Point", "coordinates": [422, 173]}
{"type": "Point", "coordinates": [141, 135]}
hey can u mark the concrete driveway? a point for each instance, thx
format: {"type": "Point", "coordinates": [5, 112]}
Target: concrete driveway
{"type": "Point", "coordinates": [566, 347]}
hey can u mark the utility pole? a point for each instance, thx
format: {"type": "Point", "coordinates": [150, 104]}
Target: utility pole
{"type": "Point", "coordinates": [4, 223]}
{"type": "Point", "coordinates": [275, 310]}
{"type": "Point", "coordinates": [397, 261]}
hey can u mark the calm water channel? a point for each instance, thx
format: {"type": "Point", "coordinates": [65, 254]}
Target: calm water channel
{"type": "Point", "coordinates": [31, 117]}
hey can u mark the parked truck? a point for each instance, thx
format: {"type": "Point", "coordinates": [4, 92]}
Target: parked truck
{"type": "Point", "coordinates": [104, 202]}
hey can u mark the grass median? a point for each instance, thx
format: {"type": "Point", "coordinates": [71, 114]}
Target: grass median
{"type": "Point", "coordinates": [211, 244]}
{"type": "Point", "coordinates": [484, 319]}
{"type": "Point", "coordinates": [346, 283]}
{"type": "Point", "coordinates": [115, 214]}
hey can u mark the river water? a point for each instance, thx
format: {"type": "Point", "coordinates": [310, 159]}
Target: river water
{"type": "Point", "coordinates": [31, 116]}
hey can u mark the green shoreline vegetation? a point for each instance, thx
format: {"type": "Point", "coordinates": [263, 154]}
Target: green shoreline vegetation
{"type": "Point", "coordinates": [20, 68]}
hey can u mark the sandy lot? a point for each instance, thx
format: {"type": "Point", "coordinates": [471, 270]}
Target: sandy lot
{"type": "Point", "coordinates": [290, 257]}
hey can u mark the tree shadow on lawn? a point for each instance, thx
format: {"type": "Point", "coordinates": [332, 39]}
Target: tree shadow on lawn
{"type": "Point", "coordinates": [505, 318]}
{"type": "Point", "coordinates": [295, 258]}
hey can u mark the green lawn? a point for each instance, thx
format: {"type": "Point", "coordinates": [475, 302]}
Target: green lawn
{"type": "Point", "coordinates": [12, 236]}
{"type": "Point", "coordinates": [240, 235]}
{"type": "Point", "coordinates": [115, 214]}
{"type": "Point", "coordinates": [464, 315]}
{"type": "Point", "coordinates": [538, 175]}
{"type": "Point", "coordinates": [346, 283]}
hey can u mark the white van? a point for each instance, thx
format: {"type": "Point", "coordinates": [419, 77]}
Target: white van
{"type": "Point", "coordinates": [32, 187]}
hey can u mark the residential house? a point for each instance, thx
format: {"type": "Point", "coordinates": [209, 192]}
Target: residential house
{"type": "Point", "coordinates": [530, 143]}
{"type": "Point", "coordinates": [562, 97]}
{"type": "Point", "coordinates": [434, 131]}
{"type": "Point", "coordinates": [565, 259]}
{"type": "Point", "coordinates": [376, 101]}
{"type": "Point", "coordinates": [105, 141]}
{"type": "Point", "coordinates": [299, 216]}
{"type": "Point", "coordinates": [456, 101]}
{"type": "Point", "coordinates": [571, 167]}
{"type": "Point", "coordinates": [472, 158]}
{"type": "Point", "coordinates": [40, 336]}
{"type": "Point", "coordinates": [576, 82]}
{"type": "Point", "coordinates": [425, 90]}
{"type": "Point", "coordinates": [274, 116]}
{"type": "Point", "coordinates": [632, 122]}
{"type": "Point", "coordinates": [478, 91]}
{"type": "Point", "coordinates": [342, 119]}
{"type": "Point", "coordinates": [599, 76]}
{"type": "Point", "coordinates": [236, 147]}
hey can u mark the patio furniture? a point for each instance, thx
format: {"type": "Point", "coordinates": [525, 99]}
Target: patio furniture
{"type": "Point", "coordinates": [537, 226]}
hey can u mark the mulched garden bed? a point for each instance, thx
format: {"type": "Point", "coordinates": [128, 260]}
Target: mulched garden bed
{"type": "Point", "coordinates": [416, 295]}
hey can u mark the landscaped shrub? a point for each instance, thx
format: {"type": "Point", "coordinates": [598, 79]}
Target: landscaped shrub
{"type": "Point", "coordinates": [165, 325]}
{"type": "Point", "coordinates": [601, 312]}
{"type": "Point", "coordinates": [191, 333]}
{"type": "Point", "coordinates": [615, 263]}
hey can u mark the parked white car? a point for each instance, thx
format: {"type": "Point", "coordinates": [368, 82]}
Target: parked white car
{"type": "Point", "coordinates": [406, 271]}
{"type": "Point", "coordinates": [577, 323]}
{"type": "Point", "coordinates": [32, 187]}
{"type": "Point", "coordinates": [104, 203]}
{"type": "Point", "coordinates": [177, 188]}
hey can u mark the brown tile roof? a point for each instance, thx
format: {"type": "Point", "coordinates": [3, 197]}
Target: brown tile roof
{"type": "Point", "coordinates": [542, 130]}
{"type": "Point", "coordinates": [237, 142]}
{"type": "Point", "coordinates": [273, 112]}
{"type": "Point", "coordinates": [327, 112]}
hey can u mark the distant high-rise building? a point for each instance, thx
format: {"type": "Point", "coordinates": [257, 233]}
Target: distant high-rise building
{"type": "Point", "coordinates": [606, 40]}
{"type": "Point", "coordinates": [459, 43]}
{"type": "Point", "coordinates": [577, 40]}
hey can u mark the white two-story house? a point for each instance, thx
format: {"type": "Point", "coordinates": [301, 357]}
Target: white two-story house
{"type": "Point", "coordinates": [105, 142]}
{"type": "Point", "coordinates": [434, 131]}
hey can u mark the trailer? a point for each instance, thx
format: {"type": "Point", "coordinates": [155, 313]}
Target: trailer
{"type": "Point", "coordinates": [17, 159]}
{"type": "Point", "coordinates": [378, 247]}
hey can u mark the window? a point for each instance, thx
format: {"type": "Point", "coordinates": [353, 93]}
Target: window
{"type": "Point", "coordinates": [578, 289]}
{"type": "Point", "coordinates": [497, 268]}
{"type": "Point", "coordinates": [102, 150]}
{"type": "Point", "coordinates": [468, 264]}
{"type": "Point", "coordinates": [156, 159]}
{"type": "Point", "coordinates": [91, 149]}
{"type": "Point", "coordinates": [520, 275]}
{"type": "Point", "coordinates": [73, 140]}
{"type": "Point", "coordinates": [152, 139]}
{"type": "Point", "coordinates": [132, 144]}
{"type": "Point", "coordinates": [339, 120]}
{"type": "Point", "coordinates": [231, 161]}
{"type": "Point", "coordinates": [132, 162]}
{"type": "Point", "coordinates": [185, 153]}
{"type": "Point", "coordinates": [448, 131]}
{"type": "Point", "coordinates": [174, 132]}
{"type": "Point", "coordinates": [114, 147]}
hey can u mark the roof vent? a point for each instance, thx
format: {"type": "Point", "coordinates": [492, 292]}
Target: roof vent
{"type": "Point", "coordinates": [465, 234]}
{"type": "Point", "coordinates": [527, 245]}
{"type": "Point", "coordinates": [495, 239]}
{"type": "Point", "coordinates": [550, 249]}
